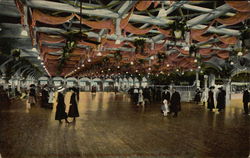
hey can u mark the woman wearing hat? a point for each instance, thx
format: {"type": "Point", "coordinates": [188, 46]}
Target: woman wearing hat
{"type": "Point", "coordinates": [32, 95]}
{"type": "Point", "coordinates": [60, 108]}
{"type": "Point", "coordinates": [210, 101]}
{"type": "Point", "coordinates": [73, 109]}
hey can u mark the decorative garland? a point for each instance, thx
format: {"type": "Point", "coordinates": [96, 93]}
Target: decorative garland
{"type": "Point", "coordinates": [67, 49]}
{"type": "Point", "coordinates": [139, 44]}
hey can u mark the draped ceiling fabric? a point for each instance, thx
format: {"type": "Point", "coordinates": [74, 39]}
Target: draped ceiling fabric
{"type": "Point", "coordinates": [180, 59]}
{"type": "Point", "coordinates": [105, 24]}
{"type": "Point", "coordinates": [49, 39]}
{"type": "Point", "coordinates": [241, 6]}
{"type": "Point", "coordinates": [48, 19]}
{"type": "Point", "coordinates": [237, 18]}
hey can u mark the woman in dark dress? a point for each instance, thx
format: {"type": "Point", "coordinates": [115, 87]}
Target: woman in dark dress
{"type": "Point", "coordinates": [210, 101]}
{"type": "Point", "coordinates": [221, 99]}
{"type": "Point", "coordinates": [73, 109]}
{"type": "Point", "coordinates": [60, 108]}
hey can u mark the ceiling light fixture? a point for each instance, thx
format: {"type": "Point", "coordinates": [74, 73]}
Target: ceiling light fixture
{"type": "Point", "coordinates": [99, 54]}
{"type": "Point", "coordinates": [24, 33]}
{"type": "Point", "coordinates": [240, 54]}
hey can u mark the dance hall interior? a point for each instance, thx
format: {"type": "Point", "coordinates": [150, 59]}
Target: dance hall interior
{"type": "Point", "coordinates": [124, 79]}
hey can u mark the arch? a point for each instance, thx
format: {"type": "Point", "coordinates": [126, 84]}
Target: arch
{"type": "Point", "coordinates": [237, 72]}
{"type": "Point", "coordinates": [58, 81]}
{"type": "Point", "coordinates": [109, 80]}
{"type": "Point", "coordinates": [44, 78]}
{"type": "Point", "coordinates": [85, 79]}
{"type": "Point", "coordinates": [97, 80]}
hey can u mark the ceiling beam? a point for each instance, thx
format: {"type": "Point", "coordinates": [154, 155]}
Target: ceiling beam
{"type": "Point", "coordinates": [104, 13]}
{"type": "Point", "coordinates": [209, 16]}
{"type": "Point", "coordinates": [202, 9]}
{"type": "Point", "coordinates": [121, 12]}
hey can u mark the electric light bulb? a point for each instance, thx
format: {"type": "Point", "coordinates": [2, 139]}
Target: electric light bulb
{"type": "Point", "coordinates": [118, 41]}
{"type": "Point", "coordinates": [240, 54]}
{"type": "Point", "coordinates": [168, 65]}
{"type": "Point", "coordinates": [118, 67]}
{"type": "Point", "coordinates": [149, 69]}
{"type": "Point", "coordinates": [195, 60]}
{"type": "Point", "coordinates": [99, 54]}
{"type": "Point", "coordinates": [132, 63]}
{"type": "Point", "coordinates": [89, 60]}
{"type": "Point", "coordinates": [24, 33]}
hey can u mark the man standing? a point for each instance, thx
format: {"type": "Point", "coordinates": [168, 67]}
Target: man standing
{"type": "Point", "coordinates": [210, 101]}
{"type": "Point", "coordinates": [245, 100]}
{"type": "Point", "coordinates": [175, 102]}
{"type": "Point", "coordinates": [166, 95]}
{"type": "Point", "coordinates": [221, 99]}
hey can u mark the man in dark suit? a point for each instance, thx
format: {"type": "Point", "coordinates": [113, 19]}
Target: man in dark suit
{"type": "Point", "coordinates": [246, 100]}
{"type": "Point", "coordinates": [175, 103]}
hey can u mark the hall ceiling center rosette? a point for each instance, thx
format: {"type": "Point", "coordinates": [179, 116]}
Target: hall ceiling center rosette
{"type": "Point", "coordinates": [96, 37]}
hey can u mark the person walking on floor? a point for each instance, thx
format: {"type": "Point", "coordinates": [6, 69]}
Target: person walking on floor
{"type": "Point", "coordinates": [32, 95]}
{"type": "Point", "coordinates": [210, 101]}
{"type": "Point", "coordinates": [140, 98]}
{"type": "Point", "coordinates": [166, 95]}
{"type": "Point", "coordinates": [175, 103]}
{"type": "Point", "coordinates": [60, 108]}
{"type": "Point", "coordinates": [73, 109]}
{"type": "Point", "coordinates": [221, 99]}
{"type": "Point", "coordinates": [45, 97]}
{"type": "Point", "coordinates": [246, 99]}
{"type": "Point", "coordinates": [204, 96]}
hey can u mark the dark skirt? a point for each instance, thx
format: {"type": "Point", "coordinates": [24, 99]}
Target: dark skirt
{"type": "Point", "coordinates": [60, 113]}
{"type": "Point", "coordinates": [73, 111]}
{"type": "Point", "coordinates": [210, 104]}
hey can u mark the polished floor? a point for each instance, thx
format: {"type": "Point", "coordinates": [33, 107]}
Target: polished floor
{"type": "Point", "coordinates": [110, 126]}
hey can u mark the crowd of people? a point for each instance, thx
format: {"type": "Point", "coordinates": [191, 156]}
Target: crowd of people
{"type": "Point", "coordinates": [145, 96]}
{"type": "Point", "coordinates": [141, 97]}
{"type": "Point", "coordinates": [46, 96]}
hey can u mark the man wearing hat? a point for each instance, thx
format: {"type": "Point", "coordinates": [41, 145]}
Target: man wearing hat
{"type": "Point", "coordinates": [210, 101]}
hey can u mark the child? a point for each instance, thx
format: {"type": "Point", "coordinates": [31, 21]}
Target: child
{"type": "Point", "coordinates": [165, 108]}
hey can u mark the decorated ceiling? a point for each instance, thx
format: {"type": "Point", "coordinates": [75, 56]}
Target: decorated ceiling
{"type": "Point", "coordinates": [96, 37]}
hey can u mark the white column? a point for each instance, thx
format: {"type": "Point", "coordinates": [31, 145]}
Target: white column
{"type": "Point", "coordinates": [197, 81]}
{"type": "Point", "coordinates": [211, 80]}
{"type": "Point", "coordinates": [228, 91]}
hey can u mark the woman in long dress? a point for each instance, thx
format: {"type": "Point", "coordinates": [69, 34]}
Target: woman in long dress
{"type": "Point", "coordinates": [32, 95]}
{"type": "Point", "coordinates": [60, 108]}
{"type": "Point", "coordinates": [73, 109]}
{"type": "Point", "coordinates": [165, 107]}
{"type": "Point", "coordinates": [140, 98]}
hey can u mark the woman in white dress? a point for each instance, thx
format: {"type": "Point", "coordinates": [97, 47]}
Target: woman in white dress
{"type": "Point", "coordinates": [204, 97]}
{"type": "Point", "coordinates": [165, 108]}
{"type": "Point", "coordinates": [140, 98]}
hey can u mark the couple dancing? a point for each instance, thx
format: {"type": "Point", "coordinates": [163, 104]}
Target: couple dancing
{"type": "Point", "coordinates": [172, 104]}
{"type": "Point", "coordinates": [61, 107]}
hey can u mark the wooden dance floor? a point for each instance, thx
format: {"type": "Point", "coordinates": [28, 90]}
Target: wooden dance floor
{"type": "Point", "coordinates": [110, 126]}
